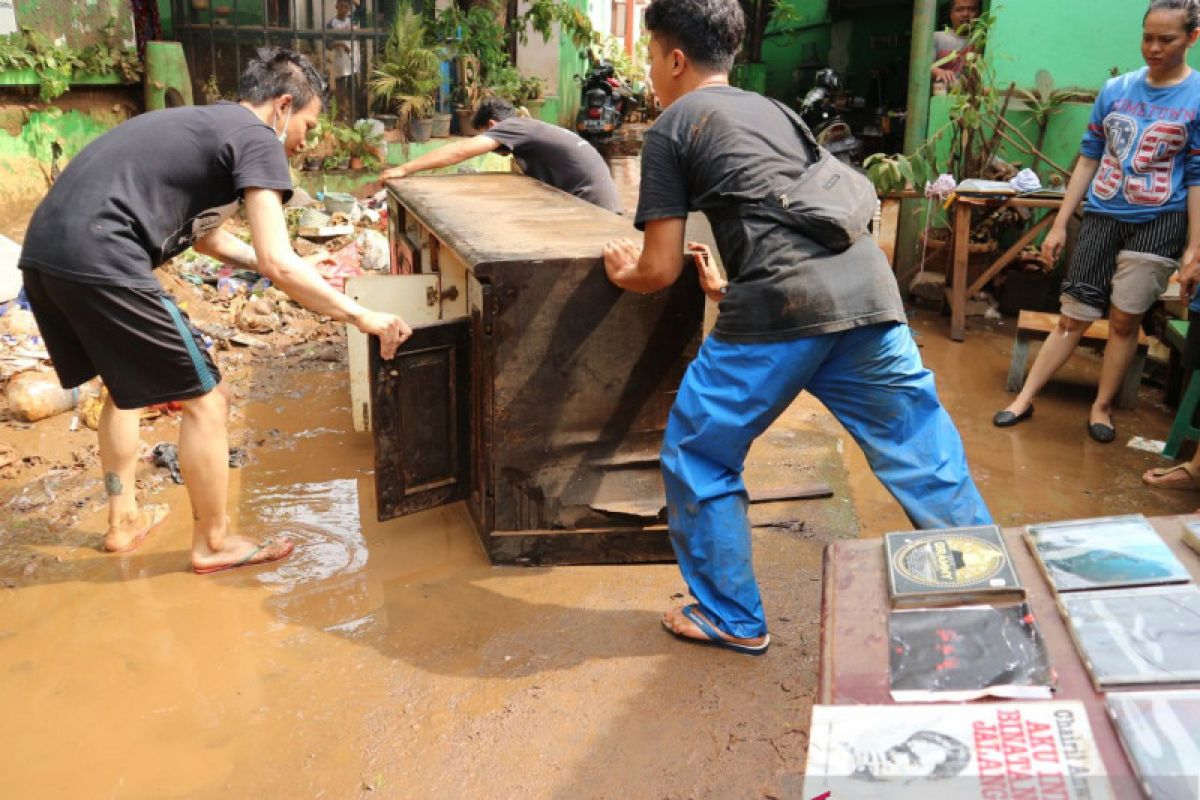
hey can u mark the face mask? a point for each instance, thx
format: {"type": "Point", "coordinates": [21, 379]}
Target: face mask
{"type": "Point", "coordinates": [283, 136]}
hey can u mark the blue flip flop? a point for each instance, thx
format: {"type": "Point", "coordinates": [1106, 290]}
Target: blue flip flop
{"type": "Point", "coordinates": [714, 639]}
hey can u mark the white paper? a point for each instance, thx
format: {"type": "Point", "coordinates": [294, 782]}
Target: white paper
{"type": "Point", "coordinates": [8, 18]}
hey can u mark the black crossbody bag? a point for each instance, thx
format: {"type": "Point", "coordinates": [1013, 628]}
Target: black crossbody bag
{"type": "Point", "coordinates": [832, 203]}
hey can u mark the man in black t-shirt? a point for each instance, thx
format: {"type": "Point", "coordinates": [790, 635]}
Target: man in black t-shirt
{"type": "Point", "coordinates": [132, 199]}
{"type": "Point", "coordinates": [793, 316]}
{"type": "Point", "coordinates": [551, 154]}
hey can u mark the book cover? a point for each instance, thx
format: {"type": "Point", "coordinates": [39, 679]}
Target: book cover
{"type": "Point", "coordinates": [949, 567]}
{"type": "Point", "coordinates": [1131, 636]}
{"type": "Point", "coordinates": [1160, 732]}
{"type": "Point", "coordinates": [966, 653]}
{"type": "Point", "coordinates": [998, 751]}
{"type": "Point", "coordinates": [1104, 552]}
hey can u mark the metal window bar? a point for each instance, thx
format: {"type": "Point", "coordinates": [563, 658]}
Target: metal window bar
{"type": "Point", "coordinates": [220, 36]}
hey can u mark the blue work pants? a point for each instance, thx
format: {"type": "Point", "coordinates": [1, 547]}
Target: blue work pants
{"type": "Point", "coordinates": [871, 379]}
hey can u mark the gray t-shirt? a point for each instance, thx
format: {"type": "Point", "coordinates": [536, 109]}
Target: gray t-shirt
{"type": "Point", "coordinates": [148, 189]}
{"type": "Point", "coordinates": [718, 147]}
{"type": "Point", "coordinates": [558, 157]}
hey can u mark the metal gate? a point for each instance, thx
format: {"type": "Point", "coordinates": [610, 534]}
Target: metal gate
{"type": "Point", "coordinates": [220, 36]}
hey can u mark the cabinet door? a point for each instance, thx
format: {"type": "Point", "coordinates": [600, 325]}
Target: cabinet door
{"type": "Point", "coordinates": [413, 297]}
{"type": "Point", "coordinates": [421, 419]}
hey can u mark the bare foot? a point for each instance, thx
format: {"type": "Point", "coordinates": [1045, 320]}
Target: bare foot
{"type": "Point", "coordinates": [677, 623]}
{"type": "Point", "coordinates": [237, 551]}
{"type": "Point", "coordinates": [127, 533]}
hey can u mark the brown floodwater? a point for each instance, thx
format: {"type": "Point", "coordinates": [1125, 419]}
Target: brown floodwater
{"type": "Point", "coordinates": [391, 660]}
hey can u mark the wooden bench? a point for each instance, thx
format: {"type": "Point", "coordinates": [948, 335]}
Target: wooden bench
{"type": "Point", "coordinates": [1037, 325]}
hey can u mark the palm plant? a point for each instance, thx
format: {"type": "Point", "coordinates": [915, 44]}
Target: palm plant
{"type": "Point", "coordinates": [406, 76]}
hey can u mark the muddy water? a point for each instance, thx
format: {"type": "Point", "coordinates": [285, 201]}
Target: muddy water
{"type": "Point", "coordinates": [391, 655]}
{"type": "Point", "coordinates": [390, 660]}
{"type": "Point", "coordinates": [1047, 467]}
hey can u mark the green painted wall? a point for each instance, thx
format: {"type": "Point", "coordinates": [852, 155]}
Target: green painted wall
{"type": "Point", "coordinates": [75, 119]}
{"type": "Point", "coordinates": [571, 63]}
{"type": "Point", "coordinates": [25, 138]}
{"type": "Point", "coordinates": [803, 46]}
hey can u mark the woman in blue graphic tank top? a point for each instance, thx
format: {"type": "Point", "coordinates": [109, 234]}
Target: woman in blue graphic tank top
{"type": "Point", "coordinates": [1138, 177]}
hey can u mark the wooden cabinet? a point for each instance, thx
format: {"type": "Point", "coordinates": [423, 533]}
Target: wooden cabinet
{"type": "Point", "coordinates": [533, 388]}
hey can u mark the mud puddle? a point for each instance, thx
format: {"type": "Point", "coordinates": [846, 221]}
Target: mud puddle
{"type": "Point", "coordinates": [390, 659]}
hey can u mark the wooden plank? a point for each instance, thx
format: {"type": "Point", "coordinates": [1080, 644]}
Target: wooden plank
{"type": "Point", "coordinates": [499, 218]}
{"type": "Point", "coordinates": [1039, 325]}
{"type": "Point", "coordinates": [1010, 254]}
{"type": "Point", "coordinates": [958, 293]}
{"type": "Point", "coordinates": [803, 491]}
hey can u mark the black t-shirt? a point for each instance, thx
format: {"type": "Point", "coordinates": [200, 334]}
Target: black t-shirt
{"type": "Point", "coordinates": [558, 157]}
{"type": "Point", "coordinates": [718, 147]}
{"type": "Point", "coordinates": [149, 188]}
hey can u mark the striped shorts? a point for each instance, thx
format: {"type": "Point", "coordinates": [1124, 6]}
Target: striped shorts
{"type": "Point", "coordinates": [1102, 238]}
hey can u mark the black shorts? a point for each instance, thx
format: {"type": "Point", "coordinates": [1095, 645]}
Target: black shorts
{"type": "Point", "coordinates": [137, 340]}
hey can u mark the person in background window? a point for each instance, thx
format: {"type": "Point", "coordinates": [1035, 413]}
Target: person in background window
{"type": "Point", "coordinates": [343, 59]}
{"type": "Point", "coordinates": [953, 40]}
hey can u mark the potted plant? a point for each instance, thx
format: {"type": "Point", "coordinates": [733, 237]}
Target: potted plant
{"type": "Point", "coordinates": [406, 75]}
{"type": "Point", "coordinates": [532, 94]}
{"type": "Point", "coordinates": [366, 145]}
{"type": "Point", "coordinates": [464, 95]}
{"type": "Point", "coordinates": [319, 144]}
{"type": "Point", "coordinates": [505, 82]}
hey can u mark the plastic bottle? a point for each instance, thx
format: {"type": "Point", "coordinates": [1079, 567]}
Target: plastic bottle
{"type": "Point", "coordinates": [37, 395]}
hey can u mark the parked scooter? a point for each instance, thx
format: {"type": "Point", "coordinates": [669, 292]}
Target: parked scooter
{"type": "Point", "coordinates": [821, 114]}
{"type": "Point", "coordinates": [603, 105]}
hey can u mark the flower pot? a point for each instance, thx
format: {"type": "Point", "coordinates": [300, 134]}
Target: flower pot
{"type": "Point", "coordinates": [462, 119]}
{"type": "Point", "coordinates": [441, 126]}
{"type": "Point", "coordinates": [356, 162]}
{"type": "Point", "coordinates": [535, 107]}
{"type": "Point", "coordinates": [312, 163]}
{"type": "Point", "coordinates": [389, 121]}
{"type": "Point", "coordinates": [420, 130]}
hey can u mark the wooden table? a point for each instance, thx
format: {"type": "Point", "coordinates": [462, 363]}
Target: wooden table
{"type": "Point", "coordinates": [960, 291]}
{"type": "Point", "coordinates": [854, 634]}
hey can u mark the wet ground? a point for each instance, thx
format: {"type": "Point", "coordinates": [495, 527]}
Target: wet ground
{"type": "Point", "coordinates": [390, 660]}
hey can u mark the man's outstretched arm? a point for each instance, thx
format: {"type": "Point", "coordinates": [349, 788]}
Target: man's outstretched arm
{"type": "Point", "coordinates": [445, 156]}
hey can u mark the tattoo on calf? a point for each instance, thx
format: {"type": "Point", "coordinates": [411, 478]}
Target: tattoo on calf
{"type": "Point", "coordinates": [112, 484]}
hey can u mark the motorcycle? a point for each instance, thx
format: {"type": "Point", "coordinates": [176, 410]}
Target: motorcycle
{"type": "Point", "coordinates": [603, 105]}
{"type": "Point", "coordinates": [823, 118]}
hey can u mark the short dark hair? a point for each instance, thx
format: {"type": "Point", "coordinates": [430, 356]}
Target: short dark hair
{"type": "Point", "coordinates": [1190, 9]}
{"type": "Point", "coordinates": [496, 108]}
{"type": "Point", "coordinates": [709, 32]}
{"type": "Point", "coordinates": [276, 71]}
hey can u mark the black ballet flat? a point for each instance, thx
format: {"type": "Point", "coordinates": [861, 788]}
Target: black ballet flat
{"type": "Point", "coordinates": [1006, 419]}
{"type": "Point", "coordinates": [1101, 433]}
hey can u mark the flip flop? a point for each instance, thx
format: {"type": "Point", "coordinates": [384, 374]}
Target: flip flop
{"type": "Point", "coordinates": [715, 638]}
{"type": "Point", "coordinates": [268, 550]}
{"type": "Point", "coordinates": [158, 514]}
{"type": "Point", "coordinates": [1162, 472]}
